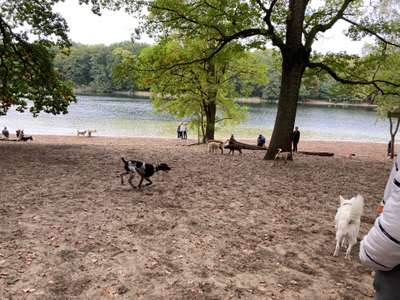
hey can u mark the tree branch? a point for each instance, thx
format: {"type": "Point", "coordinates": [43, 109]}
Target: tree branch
{"type": "Point", "coordinates": [310, 37]}
{"type": "Point", "coordinates": [335, 76]}
{"type": "Point", "coordinates": [271, 33]}
{"type": "Point", "coordinates": [370, 32]}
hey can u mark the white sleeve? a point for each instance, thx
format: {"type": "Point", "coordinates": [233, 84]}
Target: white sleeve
{"type": "Point", "coordinates": [380, 248]}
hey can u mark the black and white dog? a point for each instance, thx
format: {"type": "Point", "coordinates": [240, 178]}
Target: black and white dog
{"type": "Point", "coordinates": [144, 170]}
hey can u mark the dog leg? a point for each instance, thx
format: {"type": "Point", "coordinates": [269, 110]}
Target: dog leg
{"type": "Point", "coordinates": [338, 242]}
{"type": "Point", "coordinates": [130, 181]}
{"type": "Point", "coordinates": [140, 183]}
{"type": "Point", "coordinates": [122, 176]}
{"type": "Point", "coordinates": [351, 244]}
{"type": "Point", "coordinates": [149, 181]}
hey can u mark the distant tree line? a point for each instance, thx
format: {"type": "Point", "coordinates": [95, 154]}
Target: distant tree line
{"type": "Point", "coordinates": [92, 69]}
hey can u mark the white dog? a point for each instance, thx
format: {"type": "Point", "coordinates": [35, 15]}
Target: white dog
{"type": "Point", "coordinates": [348, 219]}
{"type": "Point", "coordinates": [285, 155]}
{"type": "Point", "coordinates": [81, 132]}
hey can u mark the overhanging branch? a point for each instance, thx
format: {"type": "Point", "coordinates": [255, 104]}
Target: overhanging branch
{"type": "Point", "coordinates": [335, 76]}
{"type": "Point", "coordinates": [310, 37]}
{"type": "Point", "coordinates": [370, 32]}
{"type": "Point", "coordinates": [271, 33]}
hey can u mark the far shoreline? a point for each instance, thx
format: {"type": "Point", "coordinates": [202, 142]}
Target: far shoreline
{"type": "Point", "coordinates": [241, 100]}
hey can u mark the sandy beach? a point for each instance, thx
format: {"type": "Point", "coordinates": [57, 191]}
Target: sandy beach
{"type": "Point", "coordinates": [214, 227]}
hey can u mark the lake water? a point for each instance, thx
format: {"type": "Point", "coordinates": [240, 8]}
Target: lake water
{"type": "Point", "coordinates": [115, 116]}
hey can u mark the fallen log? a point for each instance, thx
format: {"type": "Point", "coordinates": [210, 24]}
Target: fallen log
{"type": "Point", "coordinates": [235, 145]}
{"type": "Point", "coordinates": [317, 153]}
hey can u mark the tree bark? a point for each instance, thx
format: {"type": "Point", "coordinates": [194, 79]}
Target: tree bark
{"type": "Point", "coordinates": [210, 104]}
{"type": "Point", "coordinates": [211, 110]}
{"type": "Point", "coordinates": [292, 72]}
{"type": "Point", "coordinates": [393, 133]}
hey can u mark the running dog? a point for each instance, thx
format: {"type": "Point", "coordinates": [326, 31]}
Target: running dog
{"type": "Point", "coordinates": [348, 219]}
{"type": "Point", "coordinates": [145, 171]}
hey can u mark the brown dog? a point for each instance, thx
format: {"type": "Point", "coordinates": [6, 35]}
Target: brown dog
{"type": "Point", "coordinates": [214, 146]}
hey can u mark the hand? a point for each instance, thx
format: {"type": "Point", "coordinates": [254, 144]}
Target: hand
{"type": "Point", "coordinates": [379, 208]}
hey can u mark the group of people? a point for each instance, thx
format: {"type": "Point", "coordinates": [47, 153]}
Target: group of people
{"type": "Point", "coordinates": [295, 139]}
{"type": "Point", "coordinates": [19, 134]}
{"type": "Point", "coordinates": [182, 131]}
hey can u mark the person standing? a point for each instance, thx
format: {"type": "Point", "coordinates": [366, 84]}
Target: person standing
{"type": "Point", "coordinates": [389, 148]}
{"type": "Point", "coordinates": [184, 131]}
{"type": "Point", "coordinates": [380, 248]}
{"type": "Point", "coordinates": [178, 131]}
{"type": "Point", "coordinates": [295, 138]}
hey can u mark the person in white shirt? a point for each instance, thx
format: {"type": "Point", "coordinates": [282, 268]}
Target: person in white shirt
{"type": "Point", "coordinates": [184, 128]}
{"type": "Point", "coordinates": [380, 248]}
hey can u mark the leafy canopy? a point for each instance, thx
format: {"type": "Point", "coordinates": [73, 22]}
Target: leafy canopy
{"type": "Point", "coordinates": [185, 91]}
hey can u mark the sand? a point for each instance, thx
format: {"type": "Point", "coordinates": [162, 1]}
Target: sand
{"type": "Point", "coordinates": [214, 227]}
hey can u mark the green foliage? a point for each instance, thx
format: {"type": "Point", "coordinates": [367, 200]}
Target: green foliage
{"type": "Point", "coordinates": [91, 68]}
{"type": "Point", "coordinates": [388, 69]}
{"type": "Point", "coordinates": [29, 31]}
{"type": "Point", "coordinates": [188, 90]}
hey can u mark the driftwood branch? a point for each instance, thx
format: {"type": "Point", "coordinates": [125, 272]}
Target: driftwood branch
{"type": "Point", "coordinates": [235, 145]}
{"type": "Point", "coordinates": [317, 153]}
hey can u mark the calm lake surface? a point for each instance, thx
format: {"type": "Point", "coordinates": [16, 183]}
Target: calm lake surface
{"type": "Point", "coordinates": [114, 116]}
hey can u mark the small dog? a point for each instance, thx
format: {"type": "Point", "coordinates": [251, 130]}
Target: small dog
{"type": "Point", "coordinates": [81, 132]}
{"type": "Point", "coordinates": [285, 155]}
{"type": "Point", "coordinates": [213, 146]}
{"type": "Point", "coordinates": [348, 219]}
{"type": "Point", "coordinates": [26, 138]}
{"type": "Point", "coordinates": [144, 170]}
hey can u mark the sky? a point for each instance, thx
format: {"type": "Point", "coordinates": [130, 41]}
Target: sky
{"type": "Point", "coordinates": [112, 27]}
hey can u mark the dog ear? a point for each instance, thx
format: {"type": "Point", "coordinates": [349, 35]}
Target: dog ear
{"type": "Point", "coordinates": [341, 200]}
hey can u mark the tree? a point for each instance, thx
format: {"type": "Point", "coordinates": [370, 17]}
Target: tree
{"type": "Point", "coordinates": [91, 68]}
{"type": "Point", "coordinates": [202, 91]}
{"type": "Point", "coordinates": [292, 26]}
{"type": "Point", "coordinates": [29, 31]}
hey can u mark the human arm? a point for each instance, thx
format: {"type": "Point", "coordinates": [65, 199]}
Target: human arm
{"type": "Point", "coordinates": [380, 248]}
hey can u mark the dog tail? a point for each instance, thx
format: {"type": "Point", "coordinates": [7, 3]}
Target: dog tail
{"type": "Point", "coordinates": [125, 161]}
{"type": "Point", "coordinates": [357, 206]}
{"type": "Point", "coordinates": [277, 153]}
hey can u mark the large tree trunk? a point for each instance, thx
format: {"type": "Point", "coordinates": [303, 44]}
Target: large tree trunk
{"type": "Point", "coordinates": [393, 132]}
{"type": "Point", "coordinates": [211, 110]}
{"type": "Point", "coordinates": [292, 72]}
{"type": "Point", "coordinates": [210, 105]}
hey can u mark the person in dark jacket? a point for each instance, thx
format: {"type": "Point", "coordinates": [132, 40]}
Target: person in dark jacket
{"type": "Point", "coordinates": [5, 133]}
{"type": "Point", "coordinates": [295, 138]}
{"type": "Point", "coordinates": [261, 141]}
{"type": "Point", "coordinates": [389, 148]}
